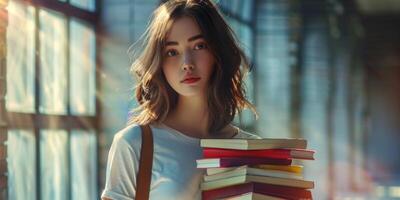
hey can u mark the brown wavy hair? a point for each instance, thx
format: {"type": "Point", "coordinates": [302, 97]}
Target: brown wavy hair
{"type": "Point", "coordinates": [226, 94]}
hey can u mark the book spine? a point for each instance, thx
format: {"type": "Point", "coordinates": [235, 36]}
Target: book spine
{"type": "Point", "coordinates": [282, 191]}
{"type": "Point", "coordinates": [267, 189]}
{"type": "Point", "coordinates": [270, 153]}
{"type": "Point", "coordinates": [232, 162]}
{"type": "Point", "coordinates": [227, 191]}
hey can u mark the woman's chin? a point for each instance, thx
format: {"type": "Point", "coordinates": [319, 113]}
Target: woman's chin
{"type": "Point", "coordinates": [191, 93]}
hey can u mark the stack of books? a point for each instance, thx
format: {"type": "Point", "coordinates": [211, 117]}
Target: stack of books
{"type": "Point", "coordinates": [254, 169]}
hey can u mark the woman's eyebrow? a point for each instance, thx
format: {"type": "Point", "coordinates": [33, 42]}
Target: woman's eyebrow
{"type": "Point", "coordinates": [169, 43]}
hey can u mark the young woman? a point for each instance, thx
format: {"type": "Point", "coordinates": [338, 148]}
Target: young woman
{"type": "Point", "coordinates": [190, 74]}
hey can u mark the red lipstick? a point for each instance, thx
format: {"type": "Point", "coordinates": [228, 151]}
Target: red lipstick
{"type": "Point", "coordinates": [191, 80]}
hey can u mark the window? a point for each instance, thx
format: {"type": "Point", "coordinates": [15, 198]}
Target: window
{"type": "Point", "coordinates": [275, 64]}
{"type": "Point", "coordinates": [238, 15]}
{"type": "Point", "coordinates": [51, 99]}
{"type": "Point", "coordinates": [307, 84]}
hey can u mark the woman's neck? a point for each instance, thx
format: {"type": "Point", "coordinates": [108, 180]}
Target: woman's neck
{"type": "Point", "coordinates": [190, 117]}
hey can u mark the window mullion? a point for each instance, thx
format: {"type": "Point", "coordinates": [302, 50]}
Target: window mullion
{"type": "Point", "coordinates": [36, 128]}
{"type": "Point", "coordinates": [68, 90]}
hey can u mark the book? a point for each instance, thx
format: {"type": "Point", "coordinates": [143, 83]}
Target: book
{"type": "Point", "coordinates": [288, 168]}
{"type": "Point", "coordinates": [264, 153]}
{"type": "Point", "coordinates": [259, 179]}
{"type": "Point", "coordinates": [252, 196]}
{"type": "Point", "coordinates": [298, 169]}
{"type": "Point", "coordinates": [260, 188]}
{"type": "Point", "coordinates": [253, 144]}
{"type": "Point", "coordinates": [245, 170]}
{"type": "Point", "coordinates": [233, 162]}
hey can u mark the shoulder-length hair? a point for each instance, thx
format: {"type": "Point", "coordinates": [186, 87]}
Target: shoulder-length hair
{"type": "Point", "coordinates": [226, 94]}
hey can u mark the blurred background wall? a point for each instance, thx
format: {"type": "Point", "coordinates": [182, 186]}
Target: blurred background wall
{"type": "Point", "coordinates": [324, 70]}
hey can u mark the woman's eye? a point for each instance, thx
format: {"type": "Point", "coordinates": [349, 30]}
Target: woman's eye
{"type": "Point", "coordinates": [200, 46]}
{"type": "Point", "coordinates": [171, 53]}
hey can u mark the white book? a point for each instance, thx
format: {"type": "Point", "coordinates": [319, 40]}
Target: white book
{"type": "Point", "coordinates": [252, 196]}
{"type": "Point", "coordinates": [254, 144]}
{"type": "Point", "coordinates": [245, 170]}
{"type": "Point", "coordinates": [258, 179]}
{"type": "Point", "coordinates": [290, 168]}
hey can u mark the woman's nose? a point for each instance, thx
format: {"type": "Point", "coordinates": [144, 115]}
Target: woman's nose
{"type": "Point", "coordinates": [187, 61]}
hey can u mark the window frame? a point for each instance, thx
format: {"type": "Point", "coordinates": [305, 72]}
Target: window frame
{"type": "Point", "coordinates": [37, 121]}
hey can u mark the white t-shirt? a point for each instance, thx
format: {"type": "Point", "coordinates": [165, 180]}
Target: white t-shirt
{"type": "Point", "coordinates": [174, 173]}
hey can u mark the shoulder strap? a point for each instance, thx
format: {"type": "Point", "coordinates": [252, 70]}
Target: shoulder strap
{"type": "Point", "coordinates": [145, 166]}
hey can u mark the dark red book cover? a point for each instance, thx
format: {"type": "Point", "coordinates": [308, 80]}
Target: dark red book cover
{"type": "Point", "coordinates": [261, 188]}
{"type": "Point", "coordinates": [239, 161]}
{"type": "Point", "coordinates": [265, 153]}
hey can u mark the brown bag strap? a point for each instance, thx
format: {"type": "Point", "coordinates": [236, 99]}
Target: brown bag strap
{"type": "Point", "coordinates": [145, 166]}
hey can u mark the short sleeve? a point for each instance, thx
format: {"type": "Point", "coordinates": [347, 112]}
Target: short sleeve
{"type": "Point", "coordinates": [246, 135]}
{"type": "Point", "coordinates": [122, 166]}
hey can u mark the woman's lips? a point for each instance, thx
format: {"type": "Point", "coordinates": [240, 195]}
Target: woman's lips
{"type": "Point", "coordinates": [191, 80]}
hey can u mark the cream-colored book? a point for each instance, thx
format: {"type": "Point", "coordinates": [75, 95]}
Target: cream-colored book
{"type": "Point", "coordinates": [245, 170]}
{"type": "Point", "coordinates": [252, 196]}
{"type": "Point", "coordinates": [298, 169]}
{"type": "Point", "coordinates": [253, 144]}
{"type": "Point", "coordinates": [259, 179]}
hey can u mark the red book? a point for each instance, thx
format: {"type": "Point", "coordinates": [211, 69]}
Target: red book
{"type": "Point", "coordinates": [239, 161]}
{"type": "Point", "coordinates": [261, 188]}
{"type": "Point", "coordinates": [265, 153]}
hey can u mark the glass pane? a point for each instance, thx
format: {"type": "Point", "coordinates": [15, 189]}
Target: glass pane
{"type": "Point", "coordinates": [84, 4]}
{"type": "Point", "coordinates": [235, 6]}
{"type": "Point", "coordinates": [358, 115]}
{"type": "Point", "coordinates": [248, 118]}
{"type": "Point", "coordinates": [54, 164]}
{"type": "Point", "coordinates": [20, 58]}
{"type": "Point", "coordinates": [223, 4]}
{"type": "Point", "coordinates": [247, 11]}
{"type": "Point", "coordinates": [315, 96]}
{"type": "Point", "coordinates": [53, 80]}
{"type": "Point", "coordinates": [83, 163]}
{"type": "Point", "coordinates": [82, 68]}
{"type": "Point", "coordinates": [246, 40]}
{"type": "Point", "coordinates": [244, 37]}
{"type": "Point", "coordinates": [21, 165]}
{"type": "Point", "coordinates": [341, 139]}
{"type": "Point", "coordinates": [274, 70]}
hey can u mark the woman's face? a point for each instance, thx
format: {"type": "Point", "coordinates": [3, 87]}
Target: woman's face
{"type": "Point", "coordinates": [187, 61]}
